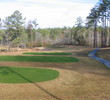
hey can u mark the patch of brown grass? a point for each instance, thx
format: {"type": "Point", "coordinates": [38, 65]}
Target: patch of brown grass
{"type": "Point", "coordinates": [84, 80]}
{"type": "Point", "coordinates": [104, 53]}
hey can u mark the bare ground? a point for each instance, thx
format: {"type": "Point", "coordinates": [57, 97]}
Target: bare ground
{"type": "Point", "coordinates": [84, 80]}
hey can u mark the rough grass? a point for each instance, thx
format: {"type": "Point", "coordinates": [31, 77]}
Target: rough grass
{"type": "Point", "coordinates": [48, 53]}
{"type": "Point", "coordinates": [104, 53]}
{"type": "Point", "coordinates": [38, 59]}
{"type": "Point", "coordinates": [26, 75]}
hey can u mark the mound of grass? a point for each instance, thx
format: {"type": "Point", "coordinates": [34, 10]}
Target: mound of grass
{"type": "Point", "coordinates": [38, 58]}
{"type": "Point", "coordinates": [48, 53]}
{"type": "Point", "coordinates": [26, 75]}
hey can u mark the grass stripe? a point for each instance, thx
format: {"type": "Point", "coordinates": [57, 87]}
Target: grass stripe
{"type": "Point", "coordinates": [38, 58]}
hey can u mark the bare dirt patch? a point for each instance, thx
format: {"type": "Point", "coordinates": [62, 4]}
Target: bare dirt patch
{"type": "Point", "coordinates": [84, 80]}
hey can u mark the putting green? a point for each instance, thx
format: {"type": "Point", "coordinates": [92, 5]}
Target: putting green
{"type": "Point", "coordinates": [26, 75]}
{"type": "Point", "coordinates": [48, 53]}
{"type": "Point", "coordinates": [38, 58]}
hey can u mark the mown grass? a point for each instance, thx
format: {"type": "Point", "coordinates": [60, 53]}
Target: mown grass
{"type": "Point", "coordinates": [48, 53]}
{"type": "Point", "coordinates": [38, 58]}
{"type": "Point", "coordinates": [26, 75]}
{"type": "Point", "coordinates": [85, 80]}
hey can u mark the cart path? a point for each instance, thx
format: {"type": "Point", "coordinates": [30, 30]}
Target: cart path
{"type": "Point", "coordinates": [92, 54]}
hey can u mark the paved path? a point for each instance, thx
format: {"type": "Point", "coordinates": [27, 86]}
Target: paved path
{"type": "Point", "coordinates": [92, 55]}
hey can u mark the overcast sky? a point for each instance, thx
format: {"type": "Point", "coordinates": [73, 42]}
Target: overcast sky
{"type": "Point", "coordinates": [49, 13]}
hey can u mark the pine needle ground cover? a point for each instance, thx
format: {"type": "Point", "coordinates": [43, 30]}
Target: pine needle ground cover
{"type": "Point", "coordinates": [26, 75]}
{"type": "Point", "coordinates": [38, 58]}
{"type": "Point", "coordinates": [48, 53]}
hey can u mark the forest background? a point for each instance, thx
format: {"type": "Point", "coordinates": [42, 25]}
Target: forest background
{"type": "Point", "coordinates": [95, 31]}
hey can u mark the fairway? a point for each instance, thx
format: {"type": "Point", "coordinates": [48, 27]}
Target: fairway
{"type": "Point", "coordinates": [84, 80]}
{"type": "Point", "coordinates": [48, 53]}
{"type": "Point", "coordinates": [26, 75]}
{"type": "Point", "coordinates": [38, 58]}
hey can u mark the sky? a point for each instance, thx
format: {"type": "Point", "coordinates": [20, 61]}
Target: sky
{"type": "Point", "coordinates": [49, 13]}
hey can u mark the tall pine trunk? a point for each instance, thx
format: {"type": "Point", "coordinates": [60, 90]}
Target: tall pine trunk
{"type": "Point", "coordinates": [109, 33]}
{"type": "Point", "coordinates": [103, 33]}
{"type": "Point", "coordinates": [95, 34]}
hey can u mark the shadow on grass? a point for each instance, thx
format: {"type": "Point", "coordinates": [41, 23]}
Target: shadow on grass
{"type": "Point", "coordinates": [3, 71]}
{"type": "Point", "coordinates": [35, 84]}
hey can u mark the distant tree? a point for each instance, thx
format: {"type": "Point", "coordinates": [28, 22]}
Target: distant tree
{"type": "Point", "coordinates": [100, 13]}
{"type": "Point", "coordinates": [93, 20]}
{"type": "Point", "coordinates": [0, 23]}
{"type": "Point", "coordinates": [79, 22]}
{"type": "Point", "coordinates": [78, 32]}
{"type": "Point", "coordinates": [1, 32]}
{"type": "Point", "coordinates": [31, 31]}
{"type": "Point", "coordinates": [14, 26]}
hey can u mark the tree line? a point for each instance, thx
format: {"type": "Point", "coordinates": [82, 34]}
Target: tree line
{"type": "Point", "coordinates": [15, 32]}
{"type": "Point", "coordinates": [95, 31]}
{"type": "Point", "coordinates": [99, 19]}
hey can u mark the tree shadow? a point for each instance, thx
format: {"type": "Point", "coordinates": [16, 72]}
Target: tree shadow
{"type": "Point", "coordinates": [35, 84]}
{"type": "Point", "coordinates": [4, 71]}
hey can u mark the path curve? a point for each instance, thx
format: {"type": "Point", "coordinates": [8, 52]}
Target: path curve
{"type": "Point", "coordinates": [92, 55]}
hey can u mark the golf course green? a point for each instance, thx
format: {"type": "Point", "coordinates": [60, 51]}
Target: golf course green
{"type": "Point", "coordinates": [26, 74]}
